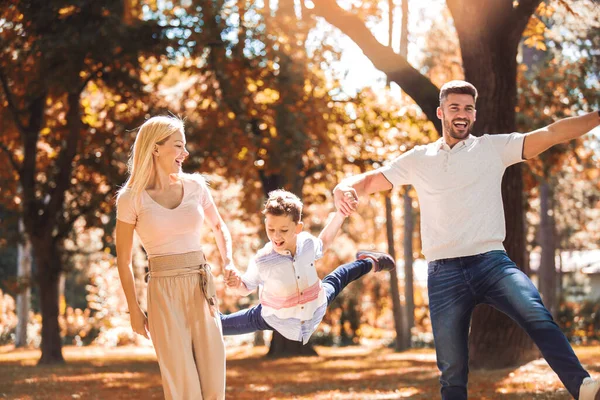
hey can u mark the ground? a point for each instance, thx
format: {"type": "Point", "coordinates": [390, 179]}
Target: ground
{"type": "Point", "coordinates": [338, 373]}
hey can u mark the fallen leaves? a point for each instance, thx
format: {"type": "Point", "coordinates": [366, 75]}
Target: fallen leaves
{"type": "Point", "coordinates": [337, 373]}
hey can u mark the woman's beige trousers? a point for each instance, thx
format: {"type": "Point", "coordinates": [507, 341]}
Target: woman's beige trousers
{"type": "Point", "coordinates": [185, 327]}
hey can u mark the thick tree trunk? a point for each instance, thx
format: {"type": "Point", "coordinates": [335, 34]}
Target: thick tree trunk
{"type": "Point", "coordinates": [493, 333]}
{"type": "Point", "coordinates": [547, 268]}
{"type": "Point", "coordinates": [489, 49]}
{"type": "Point", "coordinates": [496, 341]}
{"type": "Point", "coordinates": [401, 339]}
{"type": "Point", "coordinates": [287, 160]}
{"type": "Point", "coordinates": [24, 296]}
{"type": "Point", "coordinates": [282, 347]}
{"type": "Point", "coordinates": [48, 278]}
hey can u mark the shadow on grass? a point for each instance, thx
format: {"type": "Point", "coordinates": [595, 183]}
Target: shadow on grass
{"type": "Point", "coordinates": [337, 373]}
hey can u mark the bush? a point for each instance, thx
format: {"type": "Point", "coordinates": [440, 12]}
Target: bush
{"type": "Point", "coordinates": [8, 318]}
{"type": "Point", "coordinates": [580, 322]}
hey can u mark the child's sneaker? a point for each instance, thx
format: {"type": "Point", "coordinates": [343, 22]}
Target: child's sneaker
{"type": "Point", "coordinates": [381, 261]}
{"type": "Point", "coordinates": [590, 390]}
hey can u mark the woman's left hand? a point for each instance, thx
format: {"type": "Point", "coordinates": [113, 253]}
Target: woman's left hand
{"type": "Point", "coordinates": [233, 278]}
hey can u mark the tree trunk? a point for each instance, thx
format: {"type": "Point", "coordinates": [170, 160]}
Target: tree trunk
{"type": "Point", "coordinates": [409, 296]}
{"type": "Point", "coordinates": [282, 347]}
{"type": "Point", "coordinates": [62, 301]}
{"type": "Point", "coordinates": [24, 296]}
{"type": "Point", "coordinates": [496, 341]}
{"type": "Point", "coordinates": [287, 159]}
{"type": "Point", "coordinates": [409, 292]}
{"type": "Point", "coordinates": [48, 278]}
{"type": "Point", "coordinates": [561, 277]}
{"type": "Point", "coordinates": [401, 339]}
{"type": "Point", "coordinates": [547, 269]}
{"type": "Point", "coordinates": [489, 55]}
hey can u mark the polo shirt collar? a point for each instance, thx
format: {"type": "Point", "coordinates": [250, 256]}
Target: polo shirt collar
{"type": "Point", "coordinates": [440, 144]}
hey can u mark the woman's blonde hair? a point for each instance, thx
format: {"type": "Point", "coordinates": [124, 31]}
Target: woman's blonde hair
{"type": "Point", "coordinates": [154, 131]}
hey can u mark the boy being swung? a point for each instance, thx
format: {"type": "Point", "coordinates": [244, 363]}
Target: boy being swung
{"type": "Point", "coordinates": [293, 299]}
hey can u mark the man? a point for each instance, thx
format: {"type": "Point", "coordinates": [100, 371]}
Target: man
{"type": "Point", "coordinates": [458, 181]}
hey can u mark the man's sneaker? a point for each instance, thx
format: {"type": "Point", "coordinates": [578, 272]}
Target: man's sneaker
{"type": "Point", "coordinates": [381, 261]}
{"type": "Point", "coordinates": [590, 390]}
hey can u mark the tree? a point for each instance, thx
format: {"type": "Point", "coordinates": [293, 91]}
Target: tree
{"type": "Point", "coordinates": [55, 54]}
{"type": "Point", "coordinates": [489, 35]}
{"type": "Point", "coordinates": [260, 107]}
{"type": "Point", "coordinates": [23, 278]}
{"type": "Point", "coordinates": [548, 77]}
{"type": "Point", "coordinates": [409, 225]}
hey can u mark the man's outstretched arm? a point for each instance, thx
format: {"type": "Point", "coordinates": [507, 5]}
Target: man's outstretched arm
{"type": "Point", "coordinates": [560, 131]}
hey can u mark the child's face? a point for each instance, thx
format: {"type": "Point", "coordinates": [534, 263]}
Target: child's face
{"type": "Point", "coordinates": [282, 232]}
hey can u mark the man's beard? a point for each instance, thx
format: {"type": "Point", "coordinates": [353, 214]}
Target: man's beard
{"type": "Point", "coordinates": [449, 126]}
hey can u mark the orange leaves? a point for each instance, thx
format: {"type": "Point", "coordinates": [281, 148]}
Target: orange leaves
{"type": "Point", "coordinates": [67, 11]}
{"type": "Point", "coordinates": [242, 153]}
{"type": "Point", "coordinates": [536, 29]}
{"type": "Point", "coordinates": [267, 96]}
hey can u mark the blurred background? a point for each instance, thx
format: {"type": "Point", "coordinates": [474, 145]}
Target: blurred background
{"type": "Point", "coordinates": [294, 94]}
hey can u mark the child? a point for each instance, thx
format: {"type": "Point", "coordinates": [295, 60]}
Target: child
{"type": "Point", "coordinates": [293, 300]}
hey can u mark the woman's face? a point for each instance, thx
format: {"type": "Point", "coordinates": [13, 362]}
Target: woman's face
{"type": "Point", "coordinates": [169, 156]}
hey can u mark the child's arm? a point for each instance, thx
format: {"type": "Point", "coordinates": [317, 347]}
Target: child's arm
{"type": "Point", "coordinates": [243, 290]}
{"type": "Point", "coordinates": [331, 229]}
{"type": "Point", "coordinates": [236, 282]}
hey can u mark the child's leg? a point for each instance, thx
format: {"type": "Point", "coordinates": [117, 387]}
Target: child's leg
{"type": "Point", "coordinates": [244, 321]}
{"type": "Point", "coordinates": [343, 275]}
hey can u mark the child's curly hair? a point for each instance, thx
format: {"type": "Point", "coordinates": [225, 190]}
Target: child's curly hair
{"type": "Point", "coordinates": [282, 202]}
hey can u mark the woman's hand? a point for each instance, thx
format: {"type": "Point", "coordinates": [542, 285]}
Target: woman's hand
{"type": "Point", "coordinates": [139, 322]}
{"type": "Point", "coordinates": [233, 277]}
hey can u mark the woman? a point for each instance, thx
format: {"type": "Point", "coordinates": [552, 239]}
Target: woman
{"type": "Point", "coordinates": [167, 209]}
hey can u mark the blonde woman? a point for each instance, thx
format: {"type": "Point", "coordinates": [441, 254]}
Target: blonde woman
{"type": "Point", "coordinates": [167, 209]}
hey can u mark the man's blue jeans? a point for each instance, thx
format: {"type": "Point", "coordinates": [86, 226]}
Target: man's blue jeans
{"type": "Point", "coordinates": [457, 285]}
{"type": "Point", "coordinates": [251, 320]}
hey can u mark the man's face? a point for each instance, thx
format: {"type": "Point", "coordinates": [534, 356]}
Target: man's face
{"type": "Point", "coordinates": [457, 113]}
{"type": "Point", "coordinates": [282, 232]}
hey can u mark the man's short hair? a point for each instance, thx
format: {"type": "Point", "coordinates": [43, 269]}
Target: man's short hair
{"type": "Point", "coordinates": [282, 202]}
{"type": "Point", "coordinates": [457, 87]}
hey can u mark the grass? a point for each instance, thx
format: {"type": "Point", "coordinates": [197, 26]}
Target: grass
{"type": "Point", "coordinates": [337, 373]}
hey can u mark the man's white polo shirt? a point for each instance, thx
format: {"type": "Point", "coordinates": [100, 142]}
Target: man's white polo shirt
{"type": "Point", "coordinates": [459, 192]}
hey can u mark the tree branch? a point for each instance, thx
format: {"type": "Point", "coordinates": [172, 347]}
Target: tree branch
{"type": "Point", "coordinates": [30, 138]}
{"type": "Point", "coordinates": [93, 74]}
{"type": "Point", "coordinates": [67, 224]}
{"type": "Point", "coordinates": [65, 160]}
{"type": "Point", "coordinates": [396, 67]}
{"type": "Point", "coordinates": [11, 105]}
{"type": "Point", "coordinates": [521, 15]}
{"type": "Point", "coordinates": [11, 158]}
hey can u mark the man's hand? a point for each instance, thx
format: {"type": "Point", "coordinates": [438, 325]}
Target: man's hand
{"type": "Point", "coordinates": [345, 199]}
